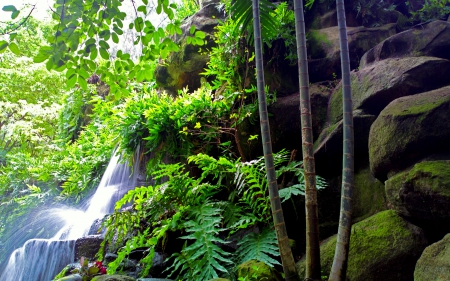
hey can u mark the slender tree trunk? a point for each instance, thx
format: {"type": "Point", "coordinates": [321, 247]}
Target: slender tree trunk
{"type": "Point", "coordinates": [287, 259]}
{"type": "Point", "coordinates": [339, 268]}
{"type": "Point", "coordinates": [312, 221]}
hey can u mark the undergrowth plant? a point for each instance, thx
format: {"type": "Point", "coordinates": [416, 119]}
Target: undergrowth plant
{"type": "Point", "coordinates": [196, 206]}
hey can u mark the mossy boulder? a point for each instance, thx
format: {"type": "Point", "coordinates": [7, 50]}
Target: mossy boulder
{"type": "Point", "coordinates": [182, 69]}
{"type": "Point", "coordinates": [434, 264]}
{"type": "Point", "coordinates": [428, 39]}
{"type": "Point", "coordinates": [376, 85]}
{"type": "Point", "coordinates": [409, 129]}
{"type": "Point", "coordinates": [328, 146]}
{"type": "Point", "coordinates": [113, 278]}
{"type": "Point", "coordinates": [422, 194]}
{"type": "Point", "coordinates": [382, 247]}
{"type": "Point", "coordinates": [323, 45]}
{"type": "Point", "coordinates": [257, 270]}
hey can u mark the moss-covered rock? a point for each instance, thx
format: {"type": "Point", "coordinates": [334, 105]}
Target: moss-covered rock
{"type": "Point", "coordinates": [423, 194]}
{"type": "Point", "coordinates": [429, 39]}
{"type": "Point", "coordinates": [183, 69]}
{"type": "Point", "coordinates": [324, 46]}
{"type": "Point", "coordinates": [409, 129]}
{"type": "Point", "coordinates": [256, 270]}
{"type": "Point", "coordinates": [382, 247]}
{"type": "Point", "coordinates": [376, 85]}
{"type": "Point", "coordinates": [113, 278]}
{"type": "Point", "coordinates": [434, 264]}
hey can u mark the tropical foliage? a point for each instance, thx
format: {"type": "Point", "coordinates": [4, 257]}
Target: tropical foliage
{"type": "Point", "coordinates": [77, 86]}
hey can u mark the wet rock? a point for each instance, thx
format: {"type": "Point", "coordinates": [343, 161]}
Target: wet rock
{"type": "Point", "coordinates": [383, 247]}
{"type": "Point", "coordinates": [113, 278]}
{"type": "Point", "coordinates": [422, 194]}
{"type": "Point", "coordinates": [434, 264]}
{"type": "Point", "coordinates": [73, 277]}
{"type": "Point", "coordinates": [409, 129]}
{"type": "Point", "coordinates": [428, 39]}
{"type": "Point", "coordinates": [87, 247]}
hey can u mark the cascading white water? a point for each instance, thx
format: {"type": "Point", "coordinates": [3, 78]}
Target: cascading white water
{"type": "Point", "coordinates": [42, 259]}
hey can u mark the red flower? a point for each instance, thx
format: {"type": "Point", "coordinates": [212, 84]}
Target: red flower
{"type": "Point", "coordinates": [98, 264]}
{"type": "Point", "coordinates": [103, 270]}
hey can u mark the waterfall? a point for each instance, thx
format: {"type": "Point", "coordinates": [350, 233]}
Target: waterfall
{"type": "Point", "coordinates": [42, 259]}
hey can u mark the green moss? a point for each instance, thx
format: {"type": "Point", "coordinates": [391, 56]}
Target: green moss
{"type": "Point", "coordinates": [383, 247]}
{"type": "Point", "coordinates": [256, 270]}
{"type": "Point", "coordinates": [368, 195]}
{"type": "Point", "coordinates": [432, 175]}
{"type": "Point", "coordinates": [317, 42]}
{"type": "Point", "coordinates": [420, 104]}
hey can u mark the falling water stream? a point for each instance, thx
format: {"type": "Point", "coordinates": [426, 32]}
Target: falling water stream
{"type": "Point", "coordinates": [42, 259]}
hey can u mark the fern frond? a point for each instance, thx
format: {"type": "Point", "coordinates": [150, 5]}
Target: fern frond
{"type": "Point", "coordinates": [202, 259]}
{"type": "Point", "coordinates": [259, 246]}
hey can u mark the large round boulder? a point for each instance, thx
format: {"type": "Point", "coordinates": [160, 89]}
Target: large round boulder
{"type": "Point", "coordinates": [186, 65]}
{"type": "Point", "coordinates": [376, 85]}
{"type": "Point", "coordinates": [428, 39]}
{"type": "Point", "coordinates": [409, 129]}
{"type": "Point", "coordinates": [434, 264]}
{"type": "Point", "coordinates": [422, 194]}
{"type": "Point", "coordinates": [382, 247]}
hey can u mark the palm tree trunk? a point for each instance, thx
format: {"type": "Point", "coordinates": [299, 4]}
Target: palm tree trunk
{"type": "Point", "coordinates": [287, 258]}
{"type": "Point", "coordinates": [312, 221]}
{"type": "Point", "coordinates": [338, 270]}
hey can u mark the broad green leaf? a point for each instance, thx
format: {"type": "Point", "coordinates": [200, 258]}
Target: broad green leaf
{"type": "Point", "coordinates": [15, 14]}
{"type": "Point", "coordinates": [82, 82]}
{"type": "Point", "coordinates": [14, 48]}
{"type": "Point", "coordinates": [115, 38]}
{"type": "Point", "coordinates": [9, 8]}
{"type": "Point", "coordinates": [72, 80]}
{"type": "Point", "coordinates": [104, 54]}
{"type": "Point", "coordinates": [3, 45]}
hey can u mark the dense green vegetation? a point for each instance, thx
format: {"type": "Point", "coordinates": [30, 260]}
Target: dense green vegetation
{"type": "Point", "coordinates": [69, 95]}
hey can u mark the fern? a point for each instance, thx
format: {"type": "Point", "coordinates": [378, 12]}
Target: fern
{"type": "Point", "coordinates": [259, 246]}
{"type": "Point", "coordinates": [203, 259]}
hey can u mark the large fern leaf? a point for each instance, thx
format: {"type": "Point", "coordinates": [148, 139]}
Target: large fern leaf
{"type": "Point", "coordinates": [203, 259]}
{"type": "Point", "coordinates": [259, 246]}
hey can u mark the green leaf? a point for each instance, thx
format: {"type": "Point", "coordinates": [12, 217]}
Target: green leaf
{"type": "Point", "coordinates": [14, 48]}
{"type": "Point", "coordinates": [104, 54]}
{"type": "Point", "coordinates": [3, 45]}
{"type": "Point", "coordinates": [15, 14]}
{"type": "Point", "coordinates": [9, 8]}
{"type": "Point", "coordinates": [192, 29]}
{"type": "Point", "coordinates": [115, 38]}
{"type": "Point", "coordinates": [82, 82]}
{"type": "Point", "coordinates": [200, 34]}
{"type": "Point", "coordinates": [71, 81]}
